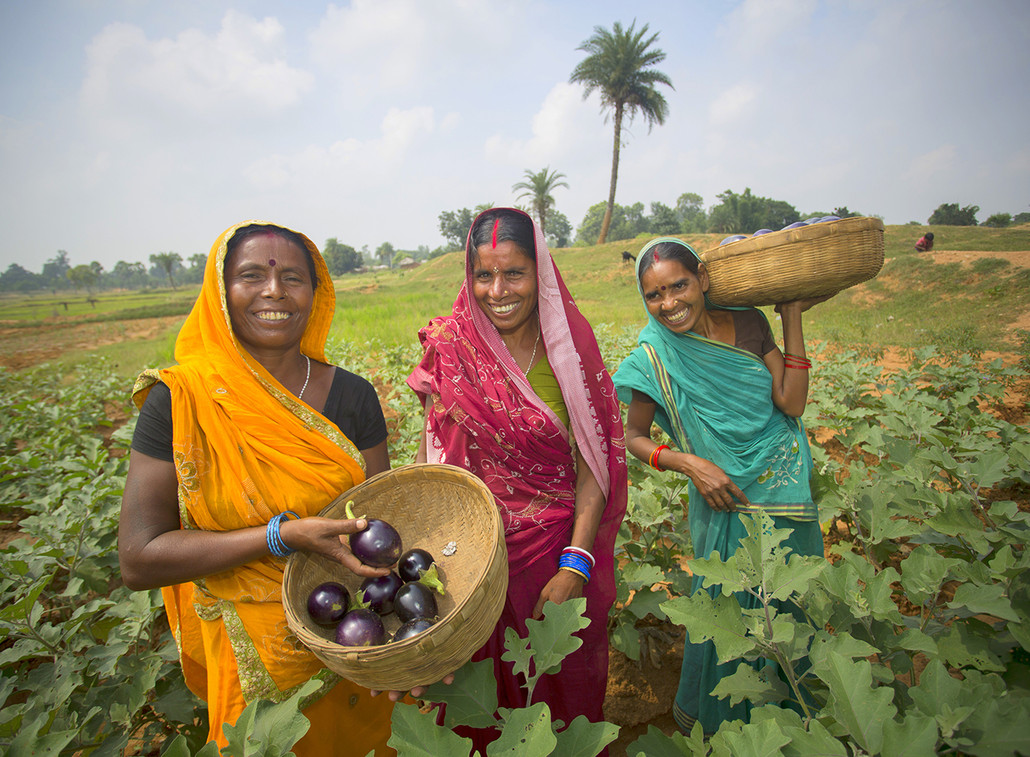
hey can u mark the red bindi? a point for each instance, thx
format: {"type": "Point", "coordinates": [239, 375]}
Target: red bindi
{"type": "Point", "coordinates": [271, 262]}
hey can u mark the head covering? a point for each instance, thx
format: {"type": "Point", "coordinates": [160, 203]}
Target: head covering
{"type": "Point", "coordinates": [715, 400]}
{"type": "Point", "coordinates": [487, 417]}
{"type": "Point", "coordinates": [483, 415]}
{"type": "Point", "coordinates": [245, 449]}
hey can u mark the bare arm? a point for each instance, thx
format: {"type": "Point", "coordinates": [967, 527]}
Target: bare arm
{"type": "Point", "coordinates": [154, 551]}
{"type": "Point", "coordinates": [590, 503]}
{"type": "Point", "coordinates": [790, 385]}
{"type": "Point", "coordinates": [377, 459]}
{"type": "Point", "coordinates": [711, 481]}
{"type": "Point", "coordinates": [420, 456]}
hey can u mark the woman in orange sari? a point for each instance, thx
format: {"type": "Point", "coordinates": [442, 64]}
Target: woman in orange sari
{"type": "Point", "coordinates": [238, 447]}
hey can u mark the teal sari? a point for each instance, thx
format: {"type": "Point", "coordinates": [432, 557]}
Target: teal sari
{"type": "Point", "coordinates": [715, 401]}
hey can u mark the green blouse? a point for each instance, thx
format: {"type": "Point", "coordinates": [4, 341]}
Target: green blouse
{"type": "Point", "coordinates": [541, 378]}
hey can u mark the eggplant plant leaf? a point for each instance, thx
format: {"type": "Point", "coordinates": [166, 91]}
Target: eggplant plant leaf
{"type": "Point", "coordinates": [526, 731]}
{"type": "Point", "coordinates": [269, 729]}
{"type": "Point", "coordinates": [416, 733]}
{"type": "Point", "coordinates": [717, 619]}
{"type": "Point", "coordinates": [584, 739]}
{"type": "Point", "coordinates": [853, 700]}
{"type": "Point", "coordinates": [987, 599]}
{"type": "Point", "coordinates": [471, 699]}
{"type": "Point", "coordinates": [654, 743]}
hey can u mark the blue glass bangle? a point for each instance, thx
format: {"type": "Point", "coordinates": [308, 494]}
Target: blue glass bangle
{"type": "Point", "coordinates": [276, 545]}
{"type": "Point", "coordinates": [575, 563]}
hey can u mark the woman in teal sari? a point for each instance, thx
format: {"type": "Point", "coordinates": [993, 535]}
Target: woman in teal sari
{"type": "Point", "coordinates": [715, 381]}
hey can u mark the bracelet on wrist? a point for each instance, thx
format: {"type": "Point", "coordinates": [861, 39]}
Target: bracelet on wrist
{"type": "Point", "coordinates": [579, 551]}
{"type": "Point", "coordinates": [586, 578]}
{"type": "Point", "coordinates": [576, 563]}
{"type": "Point", "coordinates": [653, 459]}
{"type": "Point", "coordinates": [275, 542]}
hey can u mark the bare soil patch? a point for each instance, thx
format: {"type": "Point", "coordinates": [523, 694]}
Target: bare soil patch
{"type": "Point", "coordinates": [1020, 258]}
{"type": "Point", "coordinates": [26, 346]}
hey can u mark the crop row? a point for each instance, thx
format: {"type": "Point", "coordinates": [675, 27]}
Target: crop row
{"type": "Point", "coordinates": [914, 637]}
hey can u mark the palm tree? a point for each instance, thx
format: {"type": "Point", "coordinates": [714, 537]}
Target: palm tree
{"type": "Point", "coordinates": [168, 261]}
{"type": "Point", "coordinates": [617, 67]}
{"type": "Point", "coordinates": [538, 187]}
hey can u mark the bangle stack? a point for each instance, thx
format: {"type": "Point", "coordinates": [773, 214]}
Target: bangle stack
{"type": "Point", "coordinates": [653, 459]}
{"type": "Point", "coordinates": [578, 561]}
{"type": "Point", "coordinates": [276, 545]}
{"type": "Point", "coordinates": [796, 361]}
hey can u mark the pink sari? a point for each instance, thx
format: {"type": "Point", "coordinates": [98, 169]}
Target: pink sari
{"type": "Point", "coordinates": [485, 417]}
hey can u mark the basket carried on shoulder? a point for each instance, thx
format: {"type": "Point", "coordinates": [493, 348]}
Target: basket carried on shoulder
{"type": "Point", "coordinates": [793, 264]}
{"type": "Point", "coordinates": [430, 505]}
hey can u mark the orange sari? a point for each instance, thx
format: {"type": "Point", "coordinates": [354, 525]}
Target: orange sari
{"type": "Point", "coordinates": [245, 449]}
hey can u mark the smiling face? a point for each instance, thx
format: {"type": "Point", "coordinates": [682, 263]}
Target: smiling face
{"type": "Point", "coordinates": [675, 296]}
{"type": "Point", "coordinates": [504, 285]}
{"type": "Point", "coordinates": [269, 291]}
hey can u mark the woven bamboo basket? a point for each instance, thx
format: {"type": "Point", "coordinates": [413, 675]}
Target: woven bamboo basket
{"type": "Point", "coordinates": [429, 505]}
{"type": "Point", "coordinates": [793, 264]}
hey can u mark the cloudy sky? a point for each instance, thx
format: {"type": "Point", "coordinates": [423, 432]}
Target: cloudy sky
{"type": "Point", "coordinates": [129, 127]}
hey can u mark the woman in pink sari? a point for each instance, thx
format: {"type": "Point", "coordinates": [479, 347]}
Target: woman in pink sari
{"type": "Point", "coordinates": [515, 391]}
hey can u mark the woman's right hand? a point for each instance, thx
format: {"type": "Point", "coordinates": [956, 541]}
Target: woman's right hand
{"type": "Point", "coordinates": [714, 485]}
{"type": "Point", "coordinates": [327, 536]}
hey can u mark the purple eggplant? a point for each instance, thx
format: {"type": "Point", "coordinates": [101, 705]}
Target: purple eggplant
{"type": "Point", "coordinates": [379, 545]}
{"type": "Point", "coordinates": [378, 592]}
{"type": "Point", "coordinates": [361, 628]}
{"type": "Point", "coordinates": [414, 563]}
{"type": "Point", "coordinates": [413, 627]}
{"type": "Point", "coordinates": [327, 603]}
{"type": "Point", "coordinates": [414, 600]}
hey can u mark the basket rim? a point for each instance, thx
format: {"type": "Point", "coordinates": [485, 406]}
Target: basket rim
{"type": "Point", "coordinates": [784, 237]}
{"type": "Point", "coordinates": [356, 654]}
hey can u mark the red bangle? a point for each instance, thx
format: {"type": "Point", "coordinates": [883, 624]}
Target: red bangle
{"type": "Point", "coordinates": [653, 459]}
{"type": "Point", "coordinates": [796, 361]}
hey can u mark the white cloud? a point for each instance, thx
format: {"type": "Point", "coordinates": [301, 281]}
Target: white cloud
{"type": "Point", "coordinates": [193, 76]}
{"type": "Point", "coordinates": [732, 106]}
{"type": "Point", "coordinates": [563, 126]}
{"type": "Point", "coordinates": [756, 24]}
{"type": "Point", "coordinates": [360, 163]}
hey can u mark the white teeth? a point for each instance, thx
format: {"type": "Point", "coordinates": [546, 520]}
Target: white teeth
{"type": "Point", "coordinates": [502, 309]}
{"type": "Point", "coordinates": [278, 316]}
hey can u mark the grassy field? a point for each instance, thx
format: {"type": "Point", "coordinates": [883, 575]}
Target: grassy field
{"type": "Point", "coordinates": [914, 301]}
{"type": "Point", "coordinates": [975, 306]}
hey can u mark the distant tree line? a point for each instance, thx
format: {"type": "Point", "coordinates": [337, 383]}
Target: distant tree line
{"type": "Point", "coordinates": [169, 269]}
{"type": "Point", "coordinates": [734, 213]}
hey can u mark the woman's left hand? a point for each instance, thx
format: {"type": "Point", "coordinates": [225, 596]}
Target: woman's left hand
{"type": "Point", "coordinates": [327, 536]}
{"type": "Point", "coordinates": [801, 305]}
{"type": "Point", "coordinates": [563, 585]}
{"type": "Point", "coordinates": [416, 693]}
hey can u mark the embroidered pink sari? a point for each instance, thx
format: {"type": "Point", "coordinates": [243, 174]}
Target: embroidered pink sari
{"type": "Point", "coordinates": [485, 417]}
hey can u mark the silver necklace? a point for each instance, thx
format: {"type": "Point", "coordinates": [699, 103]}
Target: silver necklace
{"type": "Point", "coordinates": [532, 357]}
{"type": "Point", "coordinates": [306, 379]}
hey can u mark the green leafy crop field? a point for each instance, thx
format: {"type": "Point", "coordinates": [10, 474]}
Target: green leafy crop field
{"type": "Point", "coordinates": [913, 637]}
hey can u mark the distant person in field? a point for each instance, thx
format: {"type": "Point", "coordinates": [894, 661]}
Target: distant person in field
{"type": "Point", "coordinates": [515, 391]}
{"type": "Point", "coordinates": [925, 243]}
{"type": "Point", "coordinates": [715, 381]}
{"type": "Point", "coordinates": [237, 449]}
